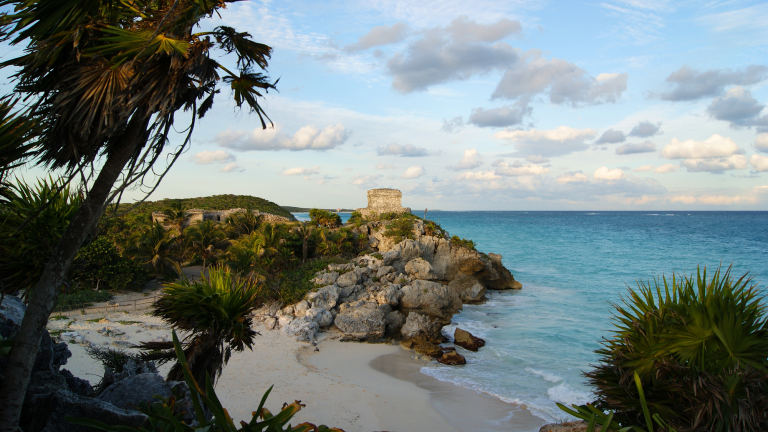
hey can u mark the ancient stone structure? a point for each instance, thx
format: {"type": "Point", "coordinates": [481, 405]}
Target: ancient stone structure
{"type": "Point", "coordinates": [196, 215]}
{"type": "Point", "coordinates": [383, 201]}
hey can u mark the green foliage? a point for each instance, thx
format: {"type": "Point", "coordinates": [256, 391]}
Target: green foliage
{"type": "Point", "coordinates": [16, 130]}
{"type": "Point", "coordinates": [114, 359]}
{"type": "Point", "coordinates": [296, 283]}
{"type": "Point", "coordinates": [325, 218]}
{"type": "Point", "coordinates": [243, 223]}
{"type": "Point", "coordinates": [399, 229]}
{"type": "Point", "coordinates": [163, 417]}
{"type": "Point", "coordinates": [700, 349]}
{"type": "Point", "coordinates": [31, 224]}
{"type": "Point", "coordinates": [5, 346]}
{"type": "Point", "coordinates": [460, 242]}
{"type": "Point", "coordinates": [100, 265]}
{"type": "Point", "coordinates": [207, 239]}
{"type": "Point", "coordinates": [222, 202]}
{"type": "Point", "coordinates": [216, 314]}
{"type": "Point", "coordinates": [433, 229]}
{"type": "Point", "coordinates": [356, 219]}
{"type": "Point", "coordinates": [81, 299]}
{"type": "Point", "coordinates": [153, 246]}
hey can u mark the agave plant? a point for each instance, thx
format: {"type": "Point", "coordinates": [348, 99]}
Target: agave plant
{"type": "Point", "coordinates": [215, 312]}
{"type": "Point", "coordinates": [700, 348]}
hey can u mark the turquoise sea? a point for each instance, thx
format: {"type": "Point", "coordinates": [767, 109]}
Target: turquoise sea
{"type": "Point", "coordinates": [573, 265]}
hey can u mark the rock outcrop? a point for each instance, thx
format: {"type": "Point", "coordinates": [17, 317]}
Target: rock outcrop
{"type": "Point", "coordinates": [466, 340]}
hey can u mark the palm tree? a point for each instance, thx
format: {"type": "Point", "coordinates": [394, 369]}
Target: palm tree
{"type": "Point", "coordinates": [206, 237]}
{"type": "Point", "coordinates": [15, 132]}
{"type": "Point", "coordinates": [306, 233]}
{"type": "Point", "coordinates": [244, 223]}
{"type": "Point", "coordinates": [216, 314]}
{"type": "Point", "coordinates": [176, 216]}
{"type": "Point", "coordinates": [154, 248]}
{"type": "Point", "coordinates": [105, 80]}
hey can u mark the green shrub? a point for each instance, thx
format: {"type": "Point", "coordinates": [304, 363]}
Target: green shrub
{"type": "Point", "coordinates": [356, 219]}
{"type": "Point", "coordinates": [399, 229]}
{"type": "Point", "coordinates": [460, 242]}
{"type": "Point", "coordinates": [700, 349]}
{"type": "Point", "coordinates": [81, 299]}
{"type": "Point", "coordinates": [296, 282]}
{"type": "Point", "coordinates": [325, 218]}
{"type": "Point", "coordinates": [100, 265]}
{"type": "Point", "coordinates": [112, 358]}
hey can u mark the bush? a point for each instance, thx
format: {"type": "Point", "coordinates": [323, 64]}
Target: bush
{"type": "Point", "coordinates": [460, 242]}
{"type": "Point", "coordinates": [325, 218]}
{"type": "Point", "coordinates": [100, 265]}
{"type": "Point", "coordinates": [400, 229]}
{"type": "Point", "coordinates": [356, 219]}
{"type": "Point", "coordinates": [296, 283]}
{"type": "Point", "coordinates": [81, 299]}
{"type": "Point", "coordinates": [700, 349]}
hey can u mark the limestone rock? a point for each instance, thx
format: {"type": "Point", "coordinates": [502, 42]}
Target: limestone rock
{"type": "Point", "coordinates": [348, 279]}
{"type": "Point", "coordinates": [300, 309]}
{"type": "Point", "coordinates": [389, 257]}
{"type": "Point", "coordinates": [270, 323]}
{"type": "Point", "coordinates": [12, 309]}
{"type": "Point", "coordinates": [77, 385]}
{"type": "Point", "coordinates": [340, 267]}
{"type": "Point", "coordinates": [384, 270]}
{"type": "Point", "coordinates": [428, 349]}
{"type": "Point", "coordinates": [130, 392]}
{"type": "Point", "coordinates": [468, 288]}
{"type": "Point", "coordinates": [47, 413]}
{"type": "Point", "coordinates": [421, 328]}
{"type": "Point", "coordinates": [467, 340]}
{"type": "Point", "coordinates": [326, 278]}
{"type": "Point", "coordinates": [431, 298]}
{"type": "Point", "coordinates": [388, 295]}
{"type": "Point", "coordinates": [452, 358]}
{"type": "Point", "coordinates": [395, 321]}
{"type": "Point", "coordinates": [325, 297]}
{"type": "Point", "coordinates": [361, 322]}
{"type": "Point", "coordinates": [496, 276]}
{"type": "Point", "coordinates": [419, 268]}
{"type": "Point", "coordinates": [574, 426]}
{"type": "Point", "coordinates": [303, 329]}
{"type": "Point", "coordinates": [322, 317]}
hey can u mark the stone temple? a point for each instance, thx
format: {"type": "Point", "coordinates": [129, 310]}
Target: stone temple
{"type": "Point", "coordinates": [383, 201]}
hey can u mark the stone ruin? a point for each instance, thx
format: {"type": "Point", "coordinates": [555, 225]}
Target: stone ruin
{"type": "Point", "coordinates": [197, 215]}
{"type": "Point", "coordinates": [383, 201]}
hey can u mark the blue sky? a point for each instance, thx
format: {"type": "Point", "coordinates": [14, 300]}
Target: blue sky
{"type": "Point", "coordinates": [497, 105]}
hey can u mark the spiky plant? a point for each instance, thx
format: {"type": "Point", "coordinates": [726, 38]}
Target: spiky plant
{"type": "Point", "coordinates": [215, 313]}
{"type": "Point", "coordinates": [700, 348]}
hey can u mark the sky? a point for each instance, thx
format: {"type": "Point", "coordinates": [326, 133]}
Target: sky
{"type": "Point", "coordinates": [495, 105]}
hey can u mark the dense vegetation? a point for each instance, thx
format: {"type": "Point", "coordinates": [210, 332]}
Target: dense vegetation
{"type": "Point", "coordinates": [214, 202]}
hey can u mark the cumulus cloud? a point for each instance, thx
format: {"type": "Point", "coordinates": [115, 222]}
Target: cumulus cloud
{"type": "Point", "coordinates": [572, 177]}
{"type": "Point", "coordinates": [715, 165]}
{"type": "Point", "coordinates": [645, 147]}
{"type": "Point", "coordinates": [713, 147]}
{"type": "Point", "coordinates": [208, 157]}
{"type": "Point", "coordinates": [739, 108]}
{"type": "Point", "coordinates": [645, 129]}
{"type": "Point", "coordinates": [759, 162]}
{"type": "Point", "coordinates": [301, 171]}
{"type": "Point", "coordinates": [554, 142]}
{"type": "Point", "coordinates": [604, 173]}
{"type": "Point", "coordinates": [500, 117]}
{"type": "Point", "coordinates": [713, 199]}
{"type": "Point", "coordinates": [689, 84]}
{"type": "Point", "coordinates": [408, 150]}
{"type": "Point", "coordinates": [459, 51]}
{"type": "Point", "coordinates": [611, 137]}
{"type": "Point", "coordinates": [666, 168]}
{"type": "Point", "coordinates": [518, 169]}
{"type": "Point", "coordinates": [761, 142]}
{"type": "Point", "coordinates": [307, 138]}
{"type": "Point", "coordinates": [478, 176]}
{"type": "Point", "coordinates": [537, 159]}
{"type": "Point", "coordinates": [378, 36]}
{"type": "Point", "coordinates": [562, 80]}
{"type": "Point", "coordinates": [383, 166]}
{"type": "Point", "coordinates": [453, 125]}
{"type": "Point", "coordinates": [471, 159]}
{"type": "Point", "coordinates": [413, 172]}
{"type": "Point", "coordinates": [644, 168]}
{"type": "Point", "coordinates": [233, 167]}
{"type": "Point", "coordinates": [365, 181]}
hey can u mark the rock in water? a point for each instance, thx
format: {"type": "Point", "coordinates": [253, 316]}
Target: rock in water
{"type": "Point", "coordinates": [452, 358]}
{"type": "Point", "coordinates": [466, 340]}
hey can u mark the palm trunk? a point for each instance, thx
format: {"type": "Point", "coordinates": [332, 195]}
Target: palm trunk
{"type": "Point", "coordinates": [27, 340]}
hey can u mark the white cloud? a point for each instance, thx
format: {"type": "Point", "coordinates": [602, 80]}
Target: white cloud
{"type": "Point", "coordinates": [408, 150]}
{"type": "Point", "coordinates": [471, 159]}
{"type": "Point", "coordinates": [645, 147]}
{"type": "Point", "coordinates": [603, 173]}
{"type": "Point", "coordinates": [739, 108]}
{"type": "Point", "coordinates": [689, 84]}
{"type": "Point", "coordinates": [644, 168]}
{"type": "Point", "coordinates": [413, 172]}
{"type": "Point", "coordinates": [554, 142]}
{"type": "Point", "coordinates": [759, 162]}
{"type": "Point", "coordinates": [500, 117]}
{"type": "Point", "coordinates": [645, 129]}
{"type": "Point", "coordinates": [307, 138]}
{"type": "Point", "coordinates": [611, 137]}
{"type": "Point", "coordinates": [715, 165]}
{"type": "Point", "coordinates": [518, 169]}
{"type": "Point", "coordinates": [572, 177]}
{"type": "Point", "coordinates": [233, 167]}
{"type": "Point", "coordinates": [666, 168]}
{"type": "Point", "coordinates": [301, 171]}
{"type": "Point", "coordinates": [365, 181]}
{"type": "Point", "coordinates": [537, 159]}
{"type": "Point", "coordinates": [761, 142]}
{"type": "Point", "coordinates": [478, 176]}
{"type": "Point", "coordinates": [713, 147]}
{"type": "Point", "coordinates": [714, 199]}
{"type": "Point", "coordinates": [208, 157]}
{"type": "Point", "coordinates": [383, 166]}
{"type": "Point", "coordinates": [378, 36]}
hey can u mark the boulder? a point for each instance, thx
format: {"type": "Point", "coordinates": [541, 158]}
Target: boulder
{"type": "Point", "coordinates": [388, 295]}
{"type": "Point", "coordinates": [284, 320]}
{"type": "Point", "coordinates": [468, 288]}
{"type": "Point", "coordinates": [300, 309]}
{"type": "Point", "coordinates": [12, 309]}
{"type": "Point", "coordinates": [496, 276]}
{"type": "Point", "coordinates": [418, 268]}
{"type": "Point", "coordinates": [574, 426]}
{"type": "Point", "coordinates": [130, 392]}
{"type": "Point", "coordinates": [47, 413]}
{"type": "Point", "coordinates": [389, 257]}
{"type": "Point", "coordinates": [441, 258]}
{"type": "Point", "coordinates": [348, 279]}
{"type": "Point", "coordinates": [428, 349]}
{"type": "Point", "coordinates": [431, 298]}
{"type": "Point", "coordinates": [41, 382]}
{"type": "Point", "coordinates": [270, 323]}
{"type": "Point", "coordinates": [303, 329]}
{"type": "Point", "coordinates": [326, 278]}
{"type": "Point", "coordinates": [340, 267]}
{"type": "Point", "coordinates": [77, 385]}
{"type": "Point", "coordinates": [409, 249]}
{"type": "Point", "coordinates": [395, 321]}
{"type": "Point", "coordinates": [361, 322]}
{"type": "Point", "coordinates": [322, 317]}
{"type": "Point", "coordinates": [466, 340]}
{"type": "Point", "coordinates": [325, 298]}
{"type": "Point", "coordinates": [421, 328]}
{"type": "Point", "coordinates": [452, 358]}
{"type": "Point", "coordinates": [384, 270]}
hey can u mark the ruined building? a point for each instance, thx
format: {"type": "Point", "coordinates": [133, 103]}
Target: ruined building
{"type": "Point", "coordinates": [197, 215]}
{"type": "Point", "coordinates": [383, 201]}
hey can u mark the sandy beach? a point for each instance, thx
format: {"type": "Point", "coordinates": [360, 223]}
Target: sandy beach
{"type": "Point", "coordinates": [353, 386]}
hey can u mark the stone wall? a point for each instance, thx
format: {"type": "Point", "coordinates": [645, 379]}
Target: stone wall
{"type": "Point", "coordinates": [383, 201]}
{"type": "Point", "coordinates": [197, 215]}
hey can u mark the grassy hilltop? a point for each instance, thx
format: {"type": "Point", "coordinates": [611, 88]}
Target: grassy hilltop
{"type": "Point", "coordinates": [219, 202]}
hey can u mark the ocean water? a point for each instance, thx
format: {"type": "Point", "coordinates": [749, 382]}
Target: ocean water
{"type": "Point", "coordinates": [573, 265]}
